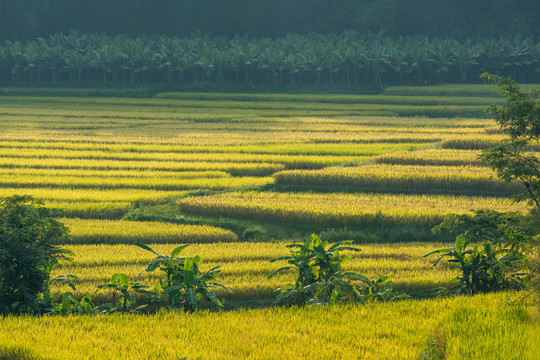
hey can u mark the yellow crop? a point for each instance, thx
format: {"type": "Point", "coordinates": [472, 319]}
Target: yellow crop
{"type": "Point", "coordinates": [245, 266]}
{"type": "Point", "coordinates": [400, 177]}
{"type": "Point", "coordinates": [437, 157]}
{"type": "Point", "coordinates": [400, 330]}
{"type": "Point", "coordinates": [341, 209]}
{"type": "Point", "coordinates": [125, 232]}
{"type": "Point", "coordinates": [157, 183]}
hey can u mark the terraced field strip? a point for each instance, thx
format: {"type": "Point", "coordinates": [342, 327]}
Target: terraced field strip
{"type": "Point", "coordinates": [107, 119]}
{"type": "Point", "coordinates": [339, 209]}
{"type": "Point", "coordinates": [404, 330]}
{"type": "Point", "coordinates": [433, 157]}
{"type": "Point", "coordinates": [365, 105]}
{"type": "Point", "coordinates": [460, 90]}
{"type": "Point", "coordinates": [157, 183]}
{"type": "Point", "coordinates": [92, 203]}
{"type": "Point", "coordinates": [141, 167]}
{"type": "Point", "coordinates": [453, 179]}
{"type": "Point", "coordinates": [92, 195]}
{"type": "Point", "coordinates": [245, 266]}
{"type": "Point", "coordinates": [337, 99]}
{"type": "Point", "coordinates": [85, 231]}
{"type": "Point", "coordinates": [471, 142]}
{"type": "Point", "coordinates": [201, 137]}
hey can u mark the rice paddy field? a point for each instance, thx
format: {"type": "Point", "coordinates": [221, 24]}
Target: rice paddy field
{"type": "Point", "coordinates": [240, 176]}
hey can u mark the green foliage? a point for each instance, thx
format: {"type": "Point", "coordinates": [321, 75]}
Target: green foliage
{"type": "Point", "coordinates": [497, 263]}
{"type": "Point", "coordinates": [70, 305]}
{"type": "Point", "coordinates": [482, 225]}
{"type": "Point", "coordinates": [185, 286]}
{"type": "Point", "coordinates": [520, 116]}
{"type": "Point", "coordinates": [351, 287]}
{"type": "Point", "coordinates": [520, 119]}
{"type": "Point", "coordinates": [67, 303]}
{"type": "Point", "coordinates": [126, 302]}
{"type": "Point", "coordinates": [28, 234]}
{"type": "Point", "coordinates": [321, 280]}
{"type": "Point", "coordinates": [350, 58]}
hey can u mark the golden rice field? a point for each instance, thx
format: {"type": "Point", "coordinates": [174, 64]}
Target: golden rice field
{"type": "Point", "coordinates": [85, 156]}
{"type": "Point", "coordinates": [217, 170]}
{"type": "Point", "coordinates": [84, 231]}
{"type": "Point", "coordinates": [434, 157]}
{"type": "Point", "coordinates": [342, 209]}
{"type": "Point", "coordinates": [245, 266]}
{"type": "Point", "coordinates": [419, 178]}
{"type": "Point", "coordinates": [402, 330]}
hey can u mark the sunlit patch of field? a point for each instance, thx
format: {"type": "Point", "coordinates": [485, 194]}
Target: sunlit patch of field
{"type": "Point", "coordinates": [407, 329]}
{"type": "Point", "coordinates": [335, 162]}
{"type": "Point", "coordinates": [419, 178]}
{"type": "Point", "coordinates": [245, 266]}
{"type": "Point", "coordinates": [340, 209]}
{"type": "Point", "coordinates": [84, 231]}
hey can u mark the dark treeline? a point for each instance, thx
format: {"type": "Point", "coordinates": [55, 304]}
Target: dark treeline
{"type": "Point", "coordinates": [460, 19]}
{"type": "Point", "coordinates": [348, 58]}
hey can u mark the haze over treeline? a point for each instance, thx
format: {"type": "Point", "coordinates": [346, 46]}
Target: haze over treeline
{"type": "Point", "coordinates": [27, 19]}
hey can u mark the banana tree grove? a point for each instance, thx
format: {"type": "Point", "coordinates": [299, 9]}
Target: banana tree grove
{"type": "Point", "coordinates": [348, 58]}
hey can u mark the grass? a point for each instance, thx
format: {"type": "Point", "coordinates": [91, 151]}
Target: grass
{"type": "Point", "coordinates": [340, 209]}
{"type": "Point", "coordinates": [451, 179]}
{"type": "Point", "coordinates": [128, 232]}
{"type": "Point", "coordinates": [399, 330]}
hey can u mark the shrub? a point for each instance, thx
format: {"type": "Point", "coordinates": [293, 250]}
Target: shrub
{"type": "Point", "coordinates": [28, 234]}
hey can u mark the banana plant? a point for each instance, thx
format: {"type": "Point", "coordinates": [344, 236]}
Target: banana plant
{"type": "Point", "coordinates": [375, 60]}
{"type": "Point", "coordinates": [321, 280]}
{"type": "Point", "coordinates": [466, 56]}
{"type": "Point", "coordinates": [442, 57]}
{"type": "Point", "coordinates": [348, 59]}
{"type": "Point", "coordinates": [185, 286]}
{"type": "Point", "coordinates": [314, 263]}
{"type": "Point", "coordinates": [101, 60]}
{"type": "Point", "coordinates": [127, 289]}
{"type": "Point", "coordinates": [488, 266]}
{"type": "Point", "coordinates": [70, 305]}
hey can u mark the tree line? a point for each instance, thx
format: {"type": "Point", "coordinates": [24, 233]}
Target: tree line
{"type": "Point", "coordinates": [348, 58]}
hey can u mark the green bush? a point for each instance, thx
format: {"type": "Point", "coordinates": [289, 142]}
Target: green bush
{"type": "Point", "coordinates": [28, 234]}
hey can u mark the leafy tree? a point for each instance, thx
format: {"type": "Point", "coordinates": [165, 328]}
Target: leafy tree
{"type": "Point", "coordinates": [520, 119]}
{"type": "Point", "coordinates": [28, 251]}
{"type": "Point", "coordinates": [499, 262]}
